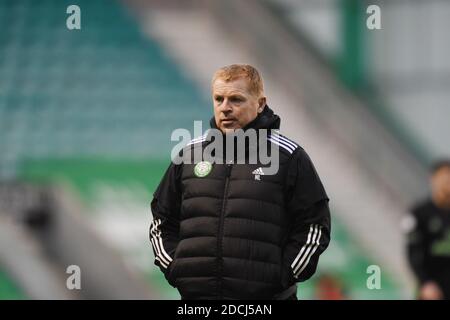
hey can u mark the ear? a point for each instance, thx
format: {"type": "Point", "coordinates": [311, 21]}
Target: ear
{"type": "Point", "coordinates": [261, 104]}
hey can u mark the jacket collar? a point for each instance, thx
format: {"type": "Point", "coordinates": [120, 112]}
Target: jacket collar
{"type": "Point", "coordinates": [266, 119]}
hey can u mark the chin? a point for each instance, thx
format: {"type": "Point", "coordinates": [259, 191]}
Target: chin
{"type": "Point", "coordinates": [228, 130]}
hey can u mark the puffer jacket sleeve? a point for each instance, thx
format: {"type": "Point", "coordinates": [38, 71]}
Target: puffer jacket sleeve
{"type": "Point", "coordinates": [164, 227]}
{"type": "Point", "coordinates": [310, 225]}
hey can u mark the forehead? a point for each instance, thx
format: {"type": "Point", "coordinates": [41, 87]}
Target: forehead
{"type": "Point", "coordinates": [238, 86]}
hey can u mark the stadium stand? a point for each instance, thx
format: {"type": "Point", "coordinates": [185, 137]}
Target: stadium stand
{"type": "Point", "coordinates": [80, 93]}
{"type": "Point", "coordinates": [89, 105]}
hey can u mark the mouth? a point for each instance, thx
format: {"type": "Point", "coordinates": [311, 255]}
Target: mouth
{"type": "Point", "coordinates": [227, 122]}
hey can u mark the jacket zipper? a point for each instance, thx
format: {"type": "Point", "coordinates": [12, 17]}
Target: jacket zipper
{"type": "Point", "coordinates": [220, 233]}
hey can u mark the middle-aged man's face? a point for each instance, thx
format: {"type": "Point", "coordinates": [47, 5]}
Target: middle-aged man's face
{"type": "Point", "coordinates": [234, 105]}
{"type": "Point", "coordinates": [440, 185]}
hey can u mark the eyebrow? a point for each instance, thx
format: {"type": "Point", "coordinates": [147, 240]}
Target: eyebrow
{"type": "Point", "coordinates": [234, 95]}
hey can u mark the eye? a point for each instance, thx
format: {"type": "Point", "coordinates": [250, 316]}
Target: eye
{"type": "Point", "coordinates": [236, 99]}
{"type": "Point", "coordinates": [218, 98]}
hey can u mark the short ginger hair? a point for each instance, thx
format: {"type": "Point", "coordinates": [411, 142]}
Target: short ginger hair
{"type": "Point", "coordinates": [241, 71]}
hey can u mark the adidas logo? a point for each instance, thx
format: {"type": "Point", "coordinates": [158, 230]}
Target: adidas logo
{"type": "Point", "coordinates": [258, 172]}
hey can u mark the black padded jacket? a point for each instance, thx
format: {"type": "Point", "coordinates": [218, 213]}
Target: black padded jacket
{"type": "Point", "coordinates": [237, 233]}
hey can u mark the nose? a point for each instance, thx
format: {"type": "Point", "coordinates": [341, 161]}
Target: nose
{"type": "Point", "coordinates": [226, 106]}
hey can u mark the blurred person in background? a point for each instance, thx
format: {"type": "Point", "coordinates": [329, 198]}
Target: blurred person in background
{"type": "Point", "coordinates": [428, 237]}
{"type": "Point", "coordinates": [230, 231]}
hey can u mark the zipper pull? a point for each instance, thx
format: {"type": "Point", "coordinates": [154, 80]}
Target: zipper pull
{"type": "Point", "coordinates": [228, 168]}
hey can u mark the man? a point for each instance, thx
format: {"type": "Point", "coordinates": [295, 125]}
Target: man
{"type": "Point", "coordinates": [229, 231]}
{"type": "Point", "coordinates": [428, 241]}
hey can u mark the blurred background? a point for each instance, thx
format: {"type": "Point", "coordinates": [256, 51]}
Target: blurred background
{"type": "Point", "coordinates": [86, 117]}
